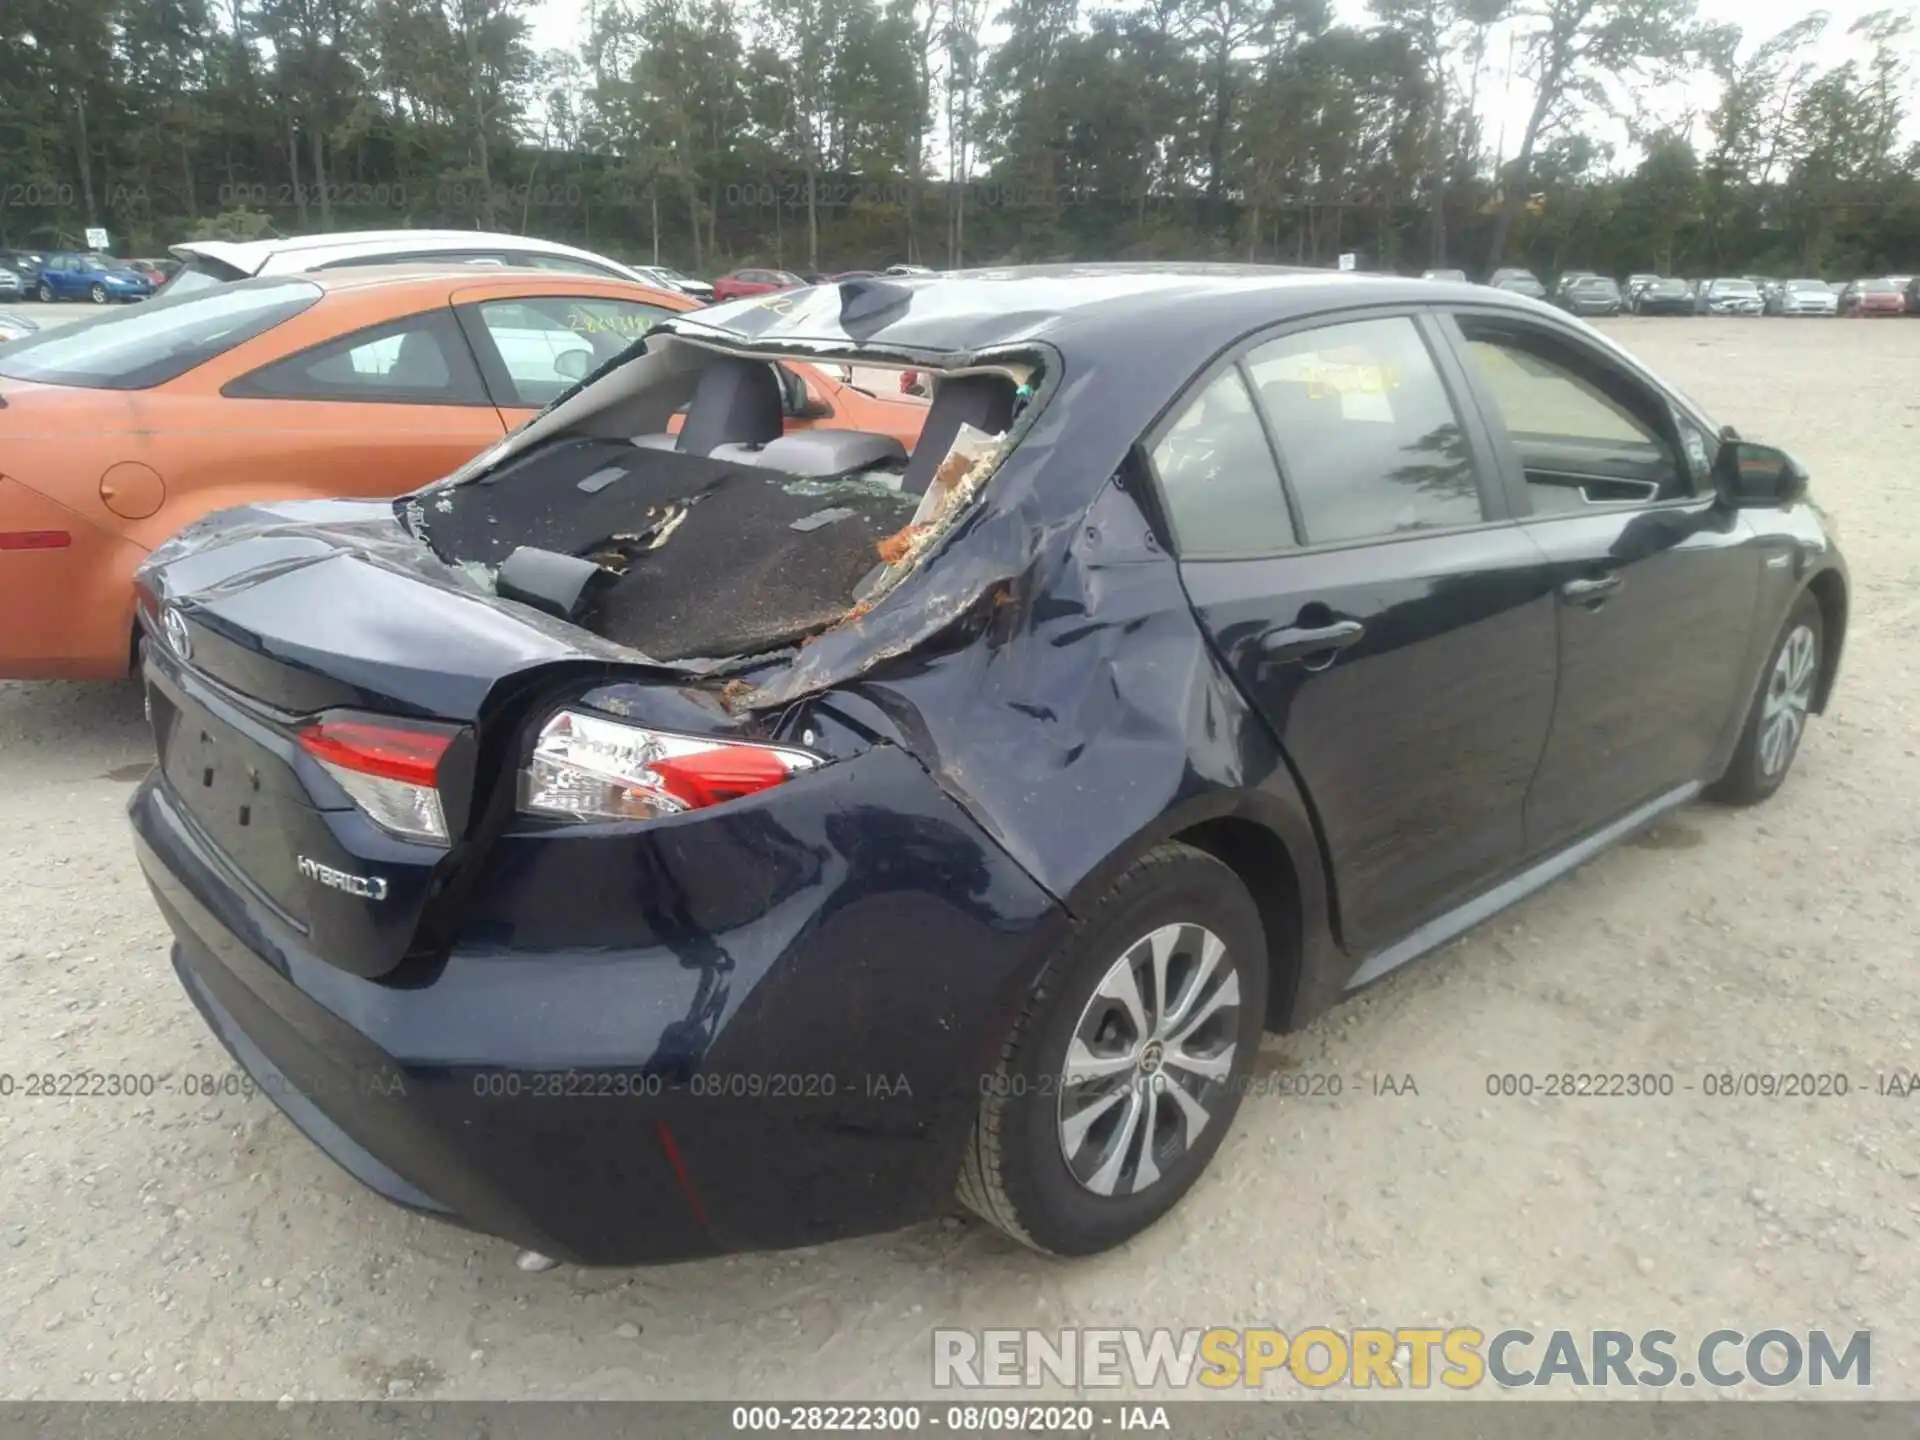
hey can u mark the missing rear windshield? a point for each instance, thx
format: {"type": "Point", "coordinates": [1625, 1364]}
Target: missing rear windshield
{"type": "Point", "coordinates": [713, 508]}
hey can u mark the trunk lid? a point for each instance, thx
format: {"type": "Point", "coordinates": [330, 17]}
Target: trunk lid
{"type": "Point", "coordinates": [261, 619]}
{"type": "Point", "coordinates": [308, 606]}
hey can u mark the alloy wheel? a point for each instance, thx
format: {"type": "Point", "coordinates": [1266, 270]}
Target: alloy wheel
{"type": "Point", "coordinates": [1783, 714]}
{"type": "Point", "coordinates": [1149, 1060]}
{"type": "Point", "coordinates": [98, 294]}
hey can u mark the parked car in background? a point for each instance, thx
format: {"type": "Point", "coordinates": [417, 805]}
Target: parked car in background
{"type": "Point", "coordinates": [741, 283]}
{"type": "Point", "coordinates": [1803, 297]}
{"type": "Point", "coordinates": [1913, 296]}
{"type": "Point", "coordinates": [12, 287]}
{"type": "Point", "coordinates": [13, 325]}
{"type": "Point", "coordinates": [1590, 295]}
{"type": "Point", "coordinates": [1766, 284]}
{"type": "Point", "coordinates": [214, 262]}
{"type": "Point", "coordinates": [730, 805]}
{"type": "Point", "coordinates": [1637, 282]}
{"type": "Point", "coordinates": [1730, 295]}
{"type": "Point", "coordinates": [1567, 280]}
{"type": "Point", "coordinates": [668, 278]}
{"type": "Point", "coordinates": [24, 263]}
{"type": "Point", "coordinates": [118, 431]}
{"type": "Point", "coordinates": [1873, 297]}
{"type": "Point", "coordinates": [1458, 276]}
{"type": "Point", "coordinates": [1518, 282]}
{"type": "Point", "coordinates": [158, 272]}
{"type": "Point", "coordinates": [911, 270]}
{"type": "Point", "coordinates": [92, 276]}
{"type": "Point", "coordinates": [1664, 295]}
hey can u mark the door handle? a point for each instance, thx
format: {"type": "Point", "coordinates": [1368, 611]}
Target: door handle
{"type": "Point", "coordinates": [1591, 594]}
{"type": "Point", "coordinates": [1294, 643]}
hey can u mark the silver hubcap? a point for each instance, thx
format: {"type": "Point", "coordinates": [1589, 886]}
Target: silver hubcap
{"type": "Point", "coordinates": [1783, 714]}
{"type": "Point", "coordinates": [1149, 1059]}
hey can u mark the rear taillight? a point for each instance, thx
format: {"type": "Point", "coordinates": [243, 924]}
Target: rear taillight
{"type": "Point", "coordinates": [391, 771]}
{"type": "Point", "coordinates": [586, 768]}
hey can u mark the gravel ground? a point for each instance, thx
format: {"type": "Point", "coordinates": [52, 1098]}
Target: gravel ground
{"type": "Point", "coordinates": [172, 1248]}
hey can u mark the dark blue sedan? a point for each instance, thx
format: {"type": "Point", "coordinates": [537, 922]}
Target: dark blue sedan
{"type": "Point", "coordinates": [92, 277]}
{"type": "Point", "coordinates": [692, 826]}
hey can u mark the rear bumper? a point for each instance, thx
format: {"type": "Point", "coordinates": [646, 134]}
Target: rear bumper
{"type": "Point", "coordinates": [65, 613]}
{"type": "Point", "coordinates": [761, 1030]}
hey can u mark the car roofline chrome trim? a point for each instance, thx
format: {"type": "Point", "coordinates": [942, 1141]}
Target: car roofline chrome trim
{"type": "Point", "coordinates": [1442, 928]}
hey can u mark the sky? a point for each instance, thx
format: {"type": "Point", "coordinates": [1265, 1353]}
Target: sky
{"type": "Point", "coordinates": [1505, 100]}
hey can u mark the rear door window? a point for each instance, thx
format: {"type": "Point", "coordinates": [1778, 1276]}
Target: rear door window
{"type": "Point", "coordinates": [494, 258]}
{"type": "Point", "coordinates": [566, 265]}
{"type": "Point", "coordinates": [420, 360]}
{"type": "Point", "coordinates": [1370, 443]}
{"type": "Point", "coordinates": [159, 340]}
{"type": "Point", "coordinates": [1218, 478]}
{"type": "Point", "coordinates": [545, 343]}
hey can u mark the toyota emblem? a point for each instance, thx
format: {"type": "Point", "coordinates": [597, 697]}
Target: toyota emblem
{"type": "Point", "coordinates": [175, 625]}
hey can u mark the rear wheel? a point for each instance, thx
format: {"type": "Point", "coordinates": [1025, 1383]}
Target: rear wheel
{"type": "Point", "coordinates": [1777, 719]}
{"type": "Point", "coordinates": [46, 293]}
{"type": "Point", "coordinates": [1124, 1071]}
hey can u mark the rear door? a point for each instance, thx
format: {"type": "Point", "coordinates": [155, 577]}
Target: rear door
{"type": "Point", "coordinates": [62, 276]}
{"type": "Point", "coordinates": [377, 412]}
{"type": "Point", "coordinates": [1654, 581]}
{"type": "Point", "coordinates": [1376, 604]}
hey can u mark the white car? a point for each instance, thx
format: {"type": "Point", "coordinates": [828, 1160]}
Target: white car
{"type": "Point", "coordinates": [212, 262]}
{"type": "Point", "coordinates": [1804, 297]}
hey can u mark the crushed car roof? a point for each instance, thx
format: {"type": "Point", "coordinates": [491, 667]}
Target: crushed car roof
{"type": "Point", "coordinates": [1082, 309]}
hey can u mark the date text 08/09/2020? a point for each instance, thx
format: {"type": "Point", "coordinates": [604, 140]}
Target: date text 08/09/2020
{"type": "Point", "coordinates": [887, 1419]}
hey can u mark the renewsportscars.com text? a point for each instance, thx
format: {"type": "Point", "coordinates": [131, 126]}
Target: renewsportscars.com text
{"type": "Point", "coordinates": [1411, 1357]}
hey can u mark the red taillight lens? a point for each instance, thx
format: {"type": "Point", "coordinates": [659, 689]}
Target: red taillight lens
{"type": "Point", "coordinates": [715, 776]}
{"type": "Point", "coordinates": [386, 751]}
{"type": "Point", "coordinates": [588, 768]}
{"type": "Point", "coordinates": [35, 539]}
{"type": "Point", "coordinates": [392, 772]}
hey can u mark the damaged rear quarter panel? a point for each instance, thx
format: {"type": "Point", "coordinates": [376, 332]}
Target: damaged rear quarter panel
{"type": "Point", "coordinates": [1055, 682]}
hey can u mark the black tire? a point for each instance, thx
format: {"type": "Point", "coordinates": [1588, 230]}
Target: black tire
{"type": "Point", "coordinates": [1756, 771]}
{"type": "Point", "coordinates": [1016, 1174]}
{"type": "Point", "coordinates": [46, 293]}
{"type": "Point", "coordinates": [97, 293]}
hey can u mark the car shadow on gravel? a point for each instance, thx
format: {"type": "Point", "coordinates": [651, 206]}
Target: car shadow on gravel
{"type": "Point", "coordinates": [74, 728]}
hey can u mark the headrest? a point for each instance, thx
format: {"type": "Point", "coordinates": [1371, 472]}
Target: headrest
{"type": "Point", "coordinates": [735, 402]}
{"type": "Point", "coordinates": [982, 401]}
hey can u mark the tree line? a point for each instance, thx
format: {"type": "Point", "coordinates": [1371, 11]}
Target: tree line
{"type": "Point", "coordinates": [824, 134]}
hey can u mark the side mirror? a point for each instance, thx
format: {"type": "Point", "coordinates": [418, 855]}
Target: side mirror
{"type": "Point", "coordinates": [1750, 476]}
{"type": "Point", "coordinates": [572, 364]}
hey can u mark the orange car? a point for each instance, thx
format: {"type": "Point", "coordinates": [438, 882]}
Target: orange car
{"type": "Point", "coordinates": [117, 431]}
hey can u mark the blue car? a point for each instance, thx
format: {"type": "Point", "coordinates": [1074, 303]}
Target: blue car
{"type": "Point", "coordinates": [90, 277]}
{"type": "Point", "coordinates": [643, 844]}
